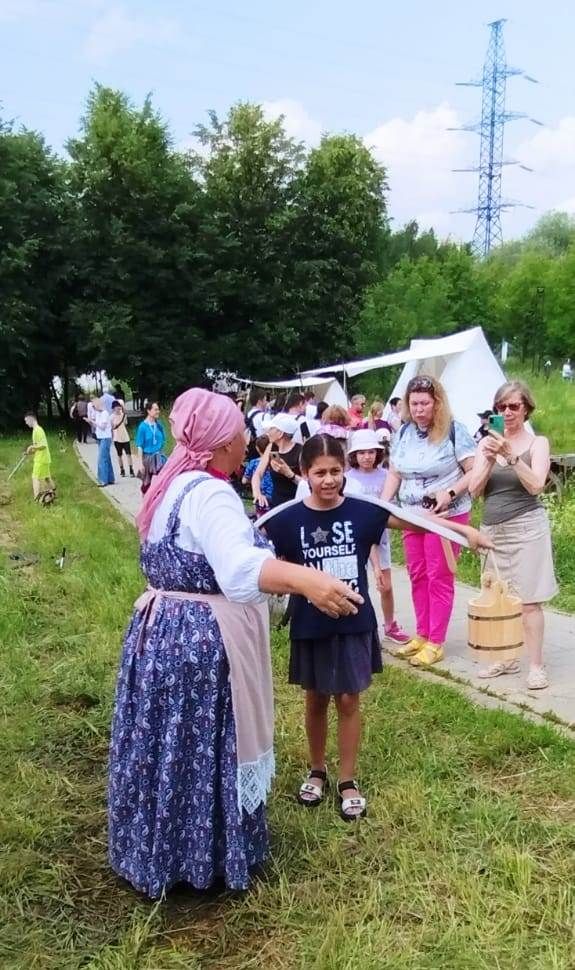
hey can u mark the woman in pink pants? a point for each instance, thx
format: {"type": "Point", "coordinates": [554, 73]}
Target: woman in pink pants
{"type": "Point", "coordinates": [431, 460]}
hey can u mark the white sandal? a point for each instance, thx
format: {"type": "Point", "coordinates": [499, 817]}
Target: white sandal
{"type": "Point", "coordinates": [500, 668]}
{"type": "Point", "coordinates": [350, 809]}
{"type": "Point", "coordinates": [537, 679]}
{"type": "Point", "coordinates": [312, 795]}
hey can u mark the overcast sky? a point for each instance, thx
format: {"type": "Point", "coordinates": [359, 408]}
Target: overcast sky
{"type": "Point", "coordinates": [385, 71]}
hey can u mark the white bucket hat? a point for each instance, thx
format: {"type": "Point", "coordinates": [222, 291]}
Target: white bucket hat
{"type": "Point", "coordinates": [285, 423]}
{"type": "Point", "coordinates": [363, 440]}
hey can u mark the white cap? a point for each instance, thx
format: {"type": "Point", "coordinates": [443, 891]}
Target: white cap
{"type": "Point", "coordinates": [363, 440]}
{"type": "Point", "coordinates": [286, 423]}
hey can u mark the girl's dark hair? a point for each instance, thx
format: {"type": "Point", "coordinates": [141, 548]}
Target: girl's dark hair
{"type": "Point", "coordinates": [321, 446]}
{"type": "Point", "coordinates": [150, 405]}
{"type": "Point", "coordinates": [262, 441]}
{"type": "Point", "coordinates": [321, 409]}
{"type": "Point", "coordinates": [379, 455]}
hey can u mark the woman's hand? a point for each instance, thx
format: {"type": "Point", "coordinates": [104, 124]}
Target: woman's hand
{"type": "Point", "coordinates": [262, 501]}
{"type": "Point", "coordinates": [495, 444]}
{"type": "Point", "coordinates": [280, 467]}
{"type": "Point", "coordinates": [477, 540]}
{"type": "Point", "coordinates": [442, 500]}
{"type": "Point", "coordinates": [331, 596]}
{"type": "Point", "coordinates": [30, 450]}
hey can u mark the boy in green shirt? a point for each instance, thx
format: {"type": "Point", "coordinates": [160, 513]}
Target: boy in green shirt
{"type": "Point", "coordinates": [41, 469]}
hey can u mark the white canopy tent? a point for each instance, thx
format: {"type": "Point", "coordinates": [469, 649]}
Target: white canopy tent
{"type": "Point", "coordinates": [463, 362]}
{"type": "Point", "coordinates": [326, 389]}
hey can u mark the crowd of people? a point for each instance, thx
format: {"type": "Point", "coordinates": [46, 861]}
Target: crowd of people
{"type": "Point", "coordinates": [104, 419]}
{"type": "Point", "coordinates": [192, 737]}
{"type": "Point", "coordinates": [191, 760]}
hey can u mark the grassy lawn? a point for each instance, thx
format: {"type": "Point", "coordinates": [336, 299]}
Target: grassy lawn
{"type": "Point", "coordinates": [466, 861]}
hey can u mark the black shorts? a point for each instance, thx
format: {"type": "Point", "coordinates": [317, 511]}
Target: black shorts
{"type": "Point", "coordinates": [122, 447]}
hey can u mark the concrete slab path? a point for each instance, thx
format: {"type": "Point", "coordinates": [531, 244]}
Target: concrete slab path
{"type": "Point", "coordinates": [557, 701]}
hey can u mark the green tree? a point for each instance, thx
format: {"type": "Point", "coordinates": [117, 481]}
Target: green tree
{"type": "Point", "coordinates": [523, 302]}
{"type": "Point", "coordinates": [412, 301]}
{"type": "Point", "coordinates": [33, 207]}
{"type": "Point", "coordinates": [559, 288]}
{"type": "Point", "coordinates": [247, 169]}
{"type": "Point", "coordinates": [136, 245]}
{"type": "Point", "coordinates": [339, 215]}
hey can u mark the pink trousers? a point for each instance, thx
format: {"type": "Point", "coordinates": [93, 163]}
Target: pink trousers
{"type": "Point", "coordinates": [432, 582]}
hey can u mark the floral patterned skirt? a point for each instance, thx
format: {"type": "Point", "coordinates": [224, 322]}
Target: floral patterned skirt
{"type": "Point", "coordinates": [173, 800]}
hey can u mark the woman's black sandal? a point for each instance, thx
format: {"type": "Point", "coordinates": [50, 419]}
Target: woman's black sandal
{"type": "Point", "coordinates": [311, 795]}
{"type": "Point", "coordinates": [353, 808]}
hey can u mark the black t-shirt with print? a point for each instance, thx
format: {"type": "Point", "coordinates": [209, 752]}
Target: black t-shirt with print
{"type": "Point", "coordinates": [338, 541]}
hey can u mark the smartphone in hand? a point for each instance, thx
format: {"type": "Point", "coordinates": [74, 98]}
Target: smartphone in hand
{"type": "Point", "coordinates": [496, 423]}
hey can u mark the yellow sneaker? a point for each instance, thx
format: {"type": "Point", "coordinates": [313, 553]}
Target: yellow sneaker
{"type": "Point", "coordinates": [409, 649]}
{"type": "Point", "coordinates": [430, 653]}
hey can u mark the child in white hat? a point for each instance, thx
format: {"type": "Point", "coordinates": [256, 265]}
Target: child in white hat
{"type": "Point", "coordinates": [365, 456]}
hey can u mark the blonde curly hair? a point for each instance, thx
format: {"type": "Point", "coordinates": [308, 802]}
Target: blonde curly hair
{"type": "Point", "coordinates": [442, 416]}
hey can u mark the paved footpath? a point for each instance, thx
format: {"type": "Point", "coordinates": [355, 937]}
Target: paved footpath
{"type": "Point", "coordinates": [509, 691]}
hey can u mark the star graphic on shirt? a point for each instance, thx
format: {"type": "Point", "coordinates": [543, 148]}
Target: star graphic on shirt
{"type": "Point", "coordinates": [320, 535]}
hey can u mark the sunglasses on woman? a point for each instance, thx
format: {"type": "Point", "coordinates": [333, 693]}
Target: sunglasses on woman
{"type": "Point", "coordinates": [510, 406]}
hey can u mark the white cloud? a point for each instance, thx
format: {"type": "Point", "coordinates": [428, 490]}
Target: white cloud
{"type": "Point", "coordinates": [297, 122]}
{"type": "Point", "coordinates": [420, 154]}
{"type": "Point", "coordinates": [550, 148]}
{"type": "Point", "coordinates": [17, 10]}
{"type": "Point", "coordinates": [116, 32]}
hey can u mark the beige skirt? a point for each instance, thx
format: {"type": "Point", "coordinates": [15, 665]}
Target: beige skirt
{"type": "Point", "coordinates": [524, 556]}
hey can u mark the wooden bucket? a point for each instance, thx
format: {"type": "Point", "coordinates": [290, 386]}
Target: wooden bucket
{"type": "Point", "coordinates": [495, 627]}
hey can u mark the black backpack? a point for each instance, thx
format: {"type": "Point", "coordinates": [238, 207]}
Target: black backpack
{"type": "Point", "coordinates": [252, 451]}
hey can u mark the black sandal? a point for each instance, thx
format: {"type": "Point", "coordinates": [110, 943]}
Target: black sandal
{"type": "Point", "coordinates": [353, 808]}
{"type": "Point", "coordinates": [315, 793]}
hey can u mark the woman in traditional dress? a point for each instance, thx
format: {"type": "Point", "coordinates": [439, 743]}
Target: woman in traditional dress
{"type": "Point", "coordinates": [191, 757]}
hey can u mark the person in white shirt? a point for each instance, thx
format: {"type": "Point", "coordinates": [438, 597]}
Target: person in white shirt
{"type": "Point", "coordinates": [91, 414]}
{"type": "Point", "coordinates": [103, 431]}
{"type": "Point", "coordinates": [296, 408]}
{"type": "Point", "coordinates": [310, 405]}
{"type": "Point", "coordinates": [567, 370]}
{"type": "Point", "coordinates": [256, 413]}
{"type": "Point", "coordinates": [108, 400]}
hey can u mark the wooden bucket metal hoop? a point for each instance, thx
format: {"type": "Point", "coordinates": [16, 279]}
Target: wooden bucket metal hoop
{"type": "Point", "coordinates": [495, 621]}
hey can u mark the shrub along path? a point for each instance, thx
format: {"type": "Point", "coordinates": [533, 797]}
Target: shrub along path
{"type": "Point", "coordinates": [557, 701]}
{"type": "Point", "coordinates": [465, 862]}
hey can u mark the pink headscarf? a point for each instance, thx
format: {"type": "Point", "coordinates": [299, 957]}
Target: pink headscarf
{"type": "Point", "coordinates": [201, 422]}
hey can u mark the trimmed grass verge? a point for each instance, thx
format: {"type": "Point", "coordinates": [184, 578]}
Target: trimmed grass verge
{"type": "Point", "coordinates": [466, 861]}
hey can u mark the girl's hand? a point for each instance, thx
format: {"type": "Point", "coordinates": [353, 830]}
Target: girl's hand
{"type": "Point", "coordinates": [262, 501]}
{"type": "Point", "coordinates": [378, 573]}
{"type": "Point", "coordinates": [280, 467]}
{"type": "Point", "coordinates": [331, 596]}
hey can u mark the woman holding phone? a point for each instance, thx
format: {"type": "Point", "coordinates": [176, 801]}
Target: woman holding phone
{"type": "Point", "coordinates": [281, 457]}
{"type": "Point", "coordinates": [510, 471]}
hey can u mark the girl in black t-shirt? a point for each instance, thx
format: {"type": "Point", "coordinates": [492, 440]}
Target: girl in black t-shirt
{"type": "Point", "coordinates": [334, 656]}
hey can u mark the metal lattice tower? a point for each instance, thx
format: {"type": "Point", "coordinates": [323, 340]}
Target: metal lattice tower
{"type": "Point", "coordinates": [491, 129]}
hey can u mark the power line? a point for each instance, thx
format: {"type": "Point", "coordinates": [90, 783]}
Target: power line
{"type": "Point", "coordinates": [491, 128]}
